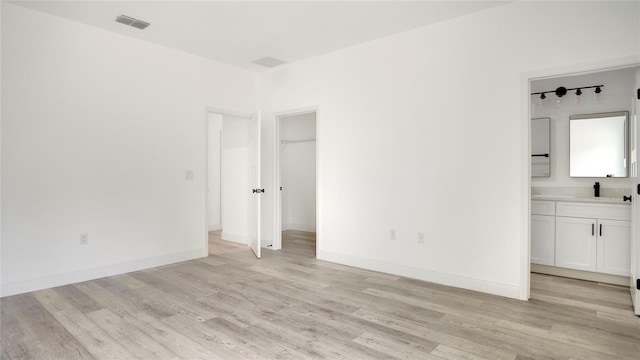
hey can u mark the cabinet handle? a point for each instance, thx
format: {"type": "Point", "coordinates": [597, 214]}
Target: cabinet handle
{"type": "Point", "coordinates": [600, 229]}
{"type": "Point", "coordinates": [593, 229]}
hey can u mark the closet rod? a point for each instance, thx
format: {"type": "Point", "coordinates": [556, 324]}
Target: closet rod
{"type": "Point", "coordinates": [296, 141]}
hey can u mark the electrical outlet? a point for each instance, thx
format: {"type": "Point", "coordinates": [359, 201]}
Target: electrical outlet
{"type": "Point", "coordinates": [420, 238]}
{"type": "Point", "coordinates": [84, 239]}
{"type": "Point", "coordinates": [392, 234]}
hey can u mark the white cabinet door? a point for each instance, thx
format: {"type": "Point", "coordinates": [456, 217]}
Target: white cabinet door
{"type": "Point", "coordinates": [543, 239]}
{"type": "Point", "coordinates": [576, 243]}
{"type": "Point", "coordinates": [614, 242]}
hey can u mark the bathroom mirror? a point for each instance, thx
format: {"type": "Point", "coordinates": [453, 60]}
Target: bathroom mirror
{"type": "Point", "coordinates": [598, 145]}
{"type": "Point", "coordinates": [540, 155]}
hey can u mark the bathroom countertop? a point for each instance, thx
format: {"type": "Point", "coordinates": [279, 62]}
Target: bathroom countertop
{"type": "Point", "coordinates": [599, 200]}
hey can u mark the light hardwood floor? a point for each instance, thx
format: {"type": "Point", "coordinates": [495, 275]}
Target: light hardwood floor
{"type": "Point", "coordinates": [290, 306]}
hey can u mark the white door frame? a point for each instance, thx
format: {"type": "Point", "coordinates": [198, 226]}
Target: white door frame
{"type": "Point", "coordinates": [277, 199]}
{"type": "Point", "coordinates": [221, 144]}
{"type": "Point", "coordinates": [525, 86]}
{"type": "Point", "coordinates": [221, 111]}
{"type": "Point", "coordinates": [254, 234]}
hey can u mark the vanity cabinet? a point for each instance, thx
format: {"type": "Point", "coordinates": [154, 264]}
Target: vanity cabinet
{"type": "Point", "coordinates": [593, 237]}
{"type": "Point", "coordinates": [543, 232]}
{"type": "Point", "coordinates": [586, 236]}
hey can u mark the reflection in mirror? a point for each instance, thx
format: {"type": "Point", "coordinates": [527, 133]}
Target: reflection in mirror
{"type": "Point", "coordinates": [598, 145]}
{"type": "Point", "coordinates": [540, 158]}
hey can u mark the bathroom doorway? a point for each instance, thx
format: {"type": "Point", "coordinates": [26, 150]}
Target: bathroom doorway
{"type": "Point", "coordinates": [559, 224]}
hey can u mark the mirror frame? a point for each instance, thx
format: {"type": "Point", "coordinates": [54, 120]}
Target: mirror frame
{"type": "Point", "coordinates": [626, 138]}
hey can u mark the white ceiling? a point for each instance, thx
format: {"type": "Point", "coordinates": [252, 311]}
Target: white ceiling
{"type": "Point", "coordinates": [239, 32]}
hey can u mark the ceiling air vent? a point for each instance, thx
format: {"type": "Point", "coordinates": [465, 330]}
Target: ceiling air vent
{"type": "Point", "coordinates": [269, 61]}
{"type": "Point", "coordinates": [123, 19]}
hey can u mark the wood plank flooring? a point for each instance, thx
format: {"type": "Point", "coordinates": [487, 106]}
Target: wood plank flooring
{"type": "Point", "coordinates": [288, 305]}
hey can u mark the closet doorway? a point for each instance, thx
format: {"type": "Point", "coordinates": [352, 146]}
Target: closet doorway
{"type": "Point", "coordinates": [296, 200]}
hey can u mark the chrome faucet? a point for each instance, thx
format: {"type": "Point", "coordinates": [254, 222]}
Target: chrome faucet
{"type": "Point", "coordinates": [596, 189]}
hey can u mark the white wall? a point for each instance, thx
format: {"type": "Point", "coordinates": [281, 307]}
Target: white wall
{"type": "Point", "coordinates": [98, 132]}
{"type": "Point", "coordinates": [214, 167]}
{"type": "Point", "coordinates": [235, 178]}
{"type": "Point", "coordinates": [427, 131]}
{"type": "Point", "coordinates": [616, 96]}
{"type": "Point", "coordinates": [298, 172]}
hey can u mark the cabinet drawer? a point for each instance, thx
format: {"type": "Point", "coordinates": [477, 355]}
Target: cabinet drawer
{"type": "Point", "coordinates": [542, 207]}
{"type": "Point", "coordinates": [589, 210]}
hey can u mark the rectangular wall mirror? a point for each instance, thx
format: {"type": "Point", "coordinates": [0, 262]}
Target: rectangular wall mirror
{"type": "Point", "coordinates": [540, 154]}
{"type": "Point", "coordinates": [598, 145]}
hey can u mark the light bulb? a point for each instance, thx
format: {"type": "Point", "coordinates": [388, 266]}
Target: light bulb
{"type": "Point", "coordinates": [578, 97]}
{"type": "Point", "coordinates": [597, 94]}
{"type": "Point", "coordinates": [542, 99]}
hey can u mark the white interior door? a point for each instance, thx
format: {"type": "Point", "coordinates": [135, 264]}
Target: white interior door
{"type": "Point", "coordinates": [255, 186]}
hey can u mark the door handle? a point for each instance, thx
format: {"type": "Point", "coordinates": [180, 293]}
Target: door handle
{"type": "Point", "coordinates": [593, 229]}
{"type": "Point", "coordinates": [600, 229]}
{"type": "Point", "coordinates": [258, 191]}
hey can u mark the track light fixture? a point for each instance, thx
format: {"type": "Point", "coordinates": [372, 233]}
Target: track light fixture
{"type": "Point", "coordinates": [562, 91]}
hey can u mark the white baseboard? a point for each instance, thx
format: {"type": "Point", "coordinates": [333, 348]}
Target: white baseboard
{"type": "Point", "coordinates": [582, 275]}
{"type": "Point", "coordinates": [489, 287]}
{"type": "Point", "coordinates": [240, 239]}
{"type": "Point", "coordinates": [99, 272]}
{"type": "Point", "coordinates": [299, 227]}
{"type": "Point", "coordinates": [215, 227]}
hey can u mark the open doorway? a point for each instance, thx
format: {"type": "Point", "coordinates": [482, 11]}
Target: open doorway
{"type": "Point", "coordinates": [227, 195]}
{"type": "Point", "coordinates": [581, 217]}
{"type": "Point", "coordinates": [296, 178]}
